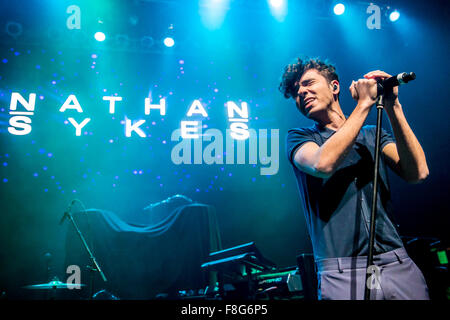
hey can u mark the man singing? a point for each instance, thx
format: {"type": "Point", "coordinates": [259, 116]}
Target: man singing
{"type": "Point", "coordinates": [333, 162]}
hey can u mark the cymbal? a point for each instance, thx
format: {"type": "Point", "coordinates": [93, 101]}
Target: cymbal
{"type": "Point", "coordinates": [55, 284]}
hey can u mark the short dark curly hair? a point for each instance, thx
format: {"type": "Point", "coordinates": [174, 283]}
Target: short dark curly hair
{"type": "Point", "coordinates": [293, 72]}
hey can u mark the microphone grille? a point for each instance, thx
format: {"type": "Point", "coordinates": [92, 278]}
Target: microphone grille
{"type": "Point", "coordinates": [409, 76]}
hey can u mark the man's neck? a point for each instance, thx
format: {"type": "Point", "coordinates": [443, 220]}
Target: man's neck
{"type": "Point", "coordinates": [334, 118]}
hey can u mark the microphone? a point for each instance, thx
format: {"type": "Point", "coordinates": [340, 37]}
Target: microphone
{"type": "Point", "coordinates": [389, 83]}
{"type": "Point", "coordinates": [66, 213]}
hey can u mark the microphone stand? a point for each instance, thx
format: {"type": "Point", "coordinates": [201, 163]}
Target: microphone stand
{"type": "Point", "coordinates": [380, 106]}
{"type": "Point", "coordinates": [397, 80]}
{"type": "Point", "coordinates": [95, 265]}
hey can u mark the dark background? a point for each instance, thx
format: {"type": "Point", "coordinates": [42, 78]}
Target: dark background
{"type": "Point", "coordinates": [41, 173]}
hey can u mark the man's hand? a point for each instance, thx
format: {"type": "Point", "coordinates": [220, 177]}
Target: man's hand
{"type": "Point", "coordinates": [406, 156]}
{"type": "Point", "coordinates": [390, 96]}
{"type": "Point", "coordinates": [364, 91]}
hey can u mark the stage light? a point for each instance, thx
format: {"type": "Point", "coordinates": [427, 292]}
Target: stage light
{"type": "Point", "coordinates": [278, 9]}
{"type": "Point", "coordinates": [122, 40]}
{"type": "Point", "coordinates": [147, 42]}
{"type": "Point", "coordinates": [213, 12]}
{"type": "Point", "coordinates": [14, 29]}
{"type": "Point", "coordinates": [276, 3]}
{"type": "Point", "coordinates": [339, 9]}
{"type": "Point", "coordinates": [169, 42]}
{"type": "Point", "coordinates": [394, 15]}
{"type": "Point", "coordinates": [100, 36]}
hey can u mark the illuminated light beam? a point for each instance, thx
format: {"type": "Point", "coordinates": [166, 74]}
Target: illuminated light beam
{"type": "Point", "coordinates": [212, 13]}
{"type": "Point", "coordinates": [276, 3]}
{"type": "Point", "coordinates": [278, 9]}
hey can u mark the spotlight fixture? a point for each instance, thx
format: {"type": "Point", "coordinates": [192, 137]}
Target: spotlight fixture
{"type": "Point", "coordinates": [99, 36]}
{"type": "Point", "coordinates": [169, 42]}
{"type": "Point", "coordinates": [278, 9]}
{"type": "Point", "coordinates": [276, 3]}
{"type": "Point", "coordinates": [339, 9]}
{"type": "Point", "coordinates": [147, 42]}
{"type": "Point", "coordinates": [394, 15]}
{"type": "Point", "coordinates": [122, 40]}
{"type": "Point", "coordinates": [14, 29]}
{"type": "Point", "coordinates": [168, 38]}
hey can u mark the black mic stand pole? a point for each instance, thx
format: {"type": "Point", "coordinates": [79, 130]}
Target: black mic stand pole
{"type": "Point", "coordinates": [380, 105]}
{"type": "Point", "coordinates": [95, 265]}
{"type": "Point", "coordinates": [382, 86]}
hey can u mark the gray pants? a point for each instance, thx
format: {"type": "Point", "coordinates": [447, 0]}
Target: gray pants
{"type": "Point", "coordinates": [394, 277]}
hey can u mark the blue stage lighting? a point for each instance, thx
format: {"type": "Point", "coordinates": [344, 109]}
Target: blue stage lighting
{"type": "Point", "coordinates": [99, 36]}
{"type": "Point", "coordinates": [339, 9]}
{"type": "Point", "coordinates": [169, 42]}
{"type": "Point", "coordinates": [276, 3]}
{"type": "Point", "coordinates": [394, 16]}
{"type": "Point", "coordinates": [278, 9]}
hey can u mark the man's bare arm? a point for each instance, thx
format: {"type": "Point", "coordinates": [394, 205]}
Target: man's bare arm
{"type": "Point", "coordinates": [406, 157]}
{"type": "Point", "coordinates": [322, 161]}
